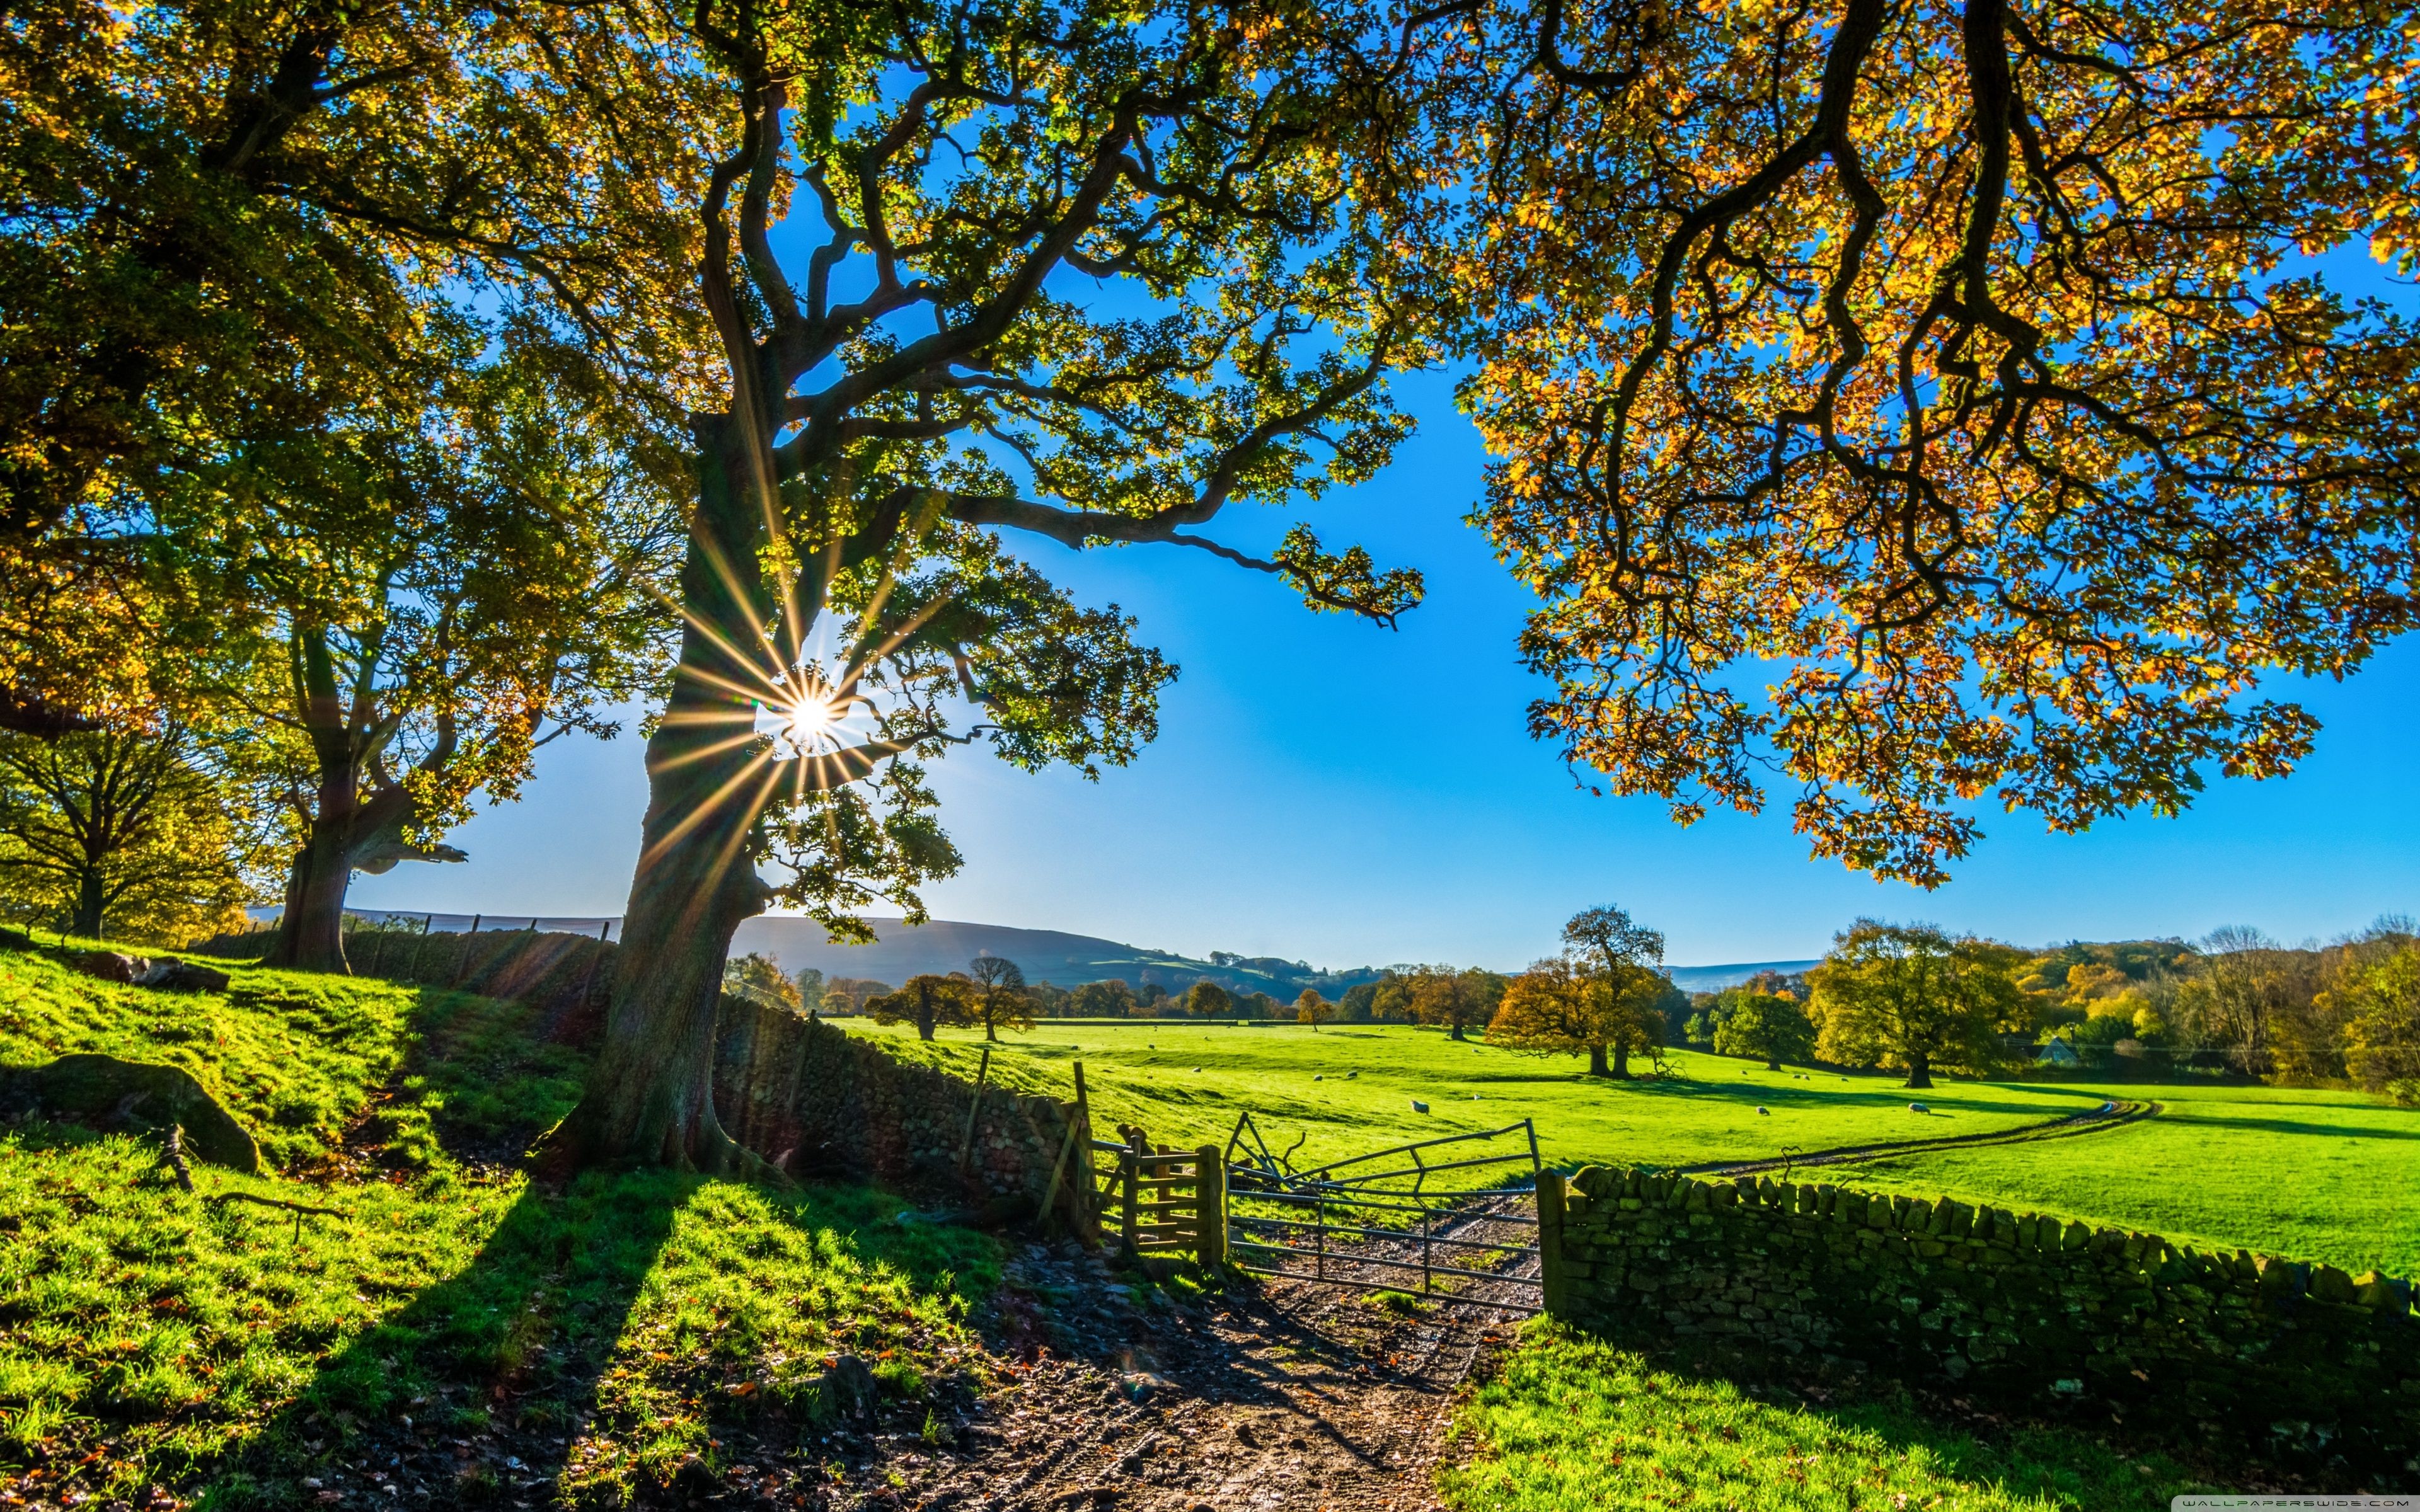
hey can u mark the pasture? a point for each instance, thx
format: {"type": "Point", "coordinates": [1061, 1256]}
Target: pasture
{"type": "Point", "coordinates": [2314, 1175]}
{"type": "Point", "coordinates": [1350, 1089]}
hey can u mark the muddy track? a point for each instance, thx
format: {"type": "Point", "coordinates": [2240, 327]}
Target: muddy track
{"type": "Point", "coordinates": [1277, 1396]}
{"type": "Point", "coordinates": [2096, 1120]}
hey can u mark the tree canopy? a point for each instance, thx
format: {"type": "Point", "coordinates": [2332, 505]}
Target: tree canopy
{"type": "Point", "coordinates": [1911, 996]}
{"type": "Point", "coordinates": [929, 1001]}
{"type": "Point", "coordinates": [1987, 379]}
{"type": "Point", "coordinates": [1763, 1026]}
{"type": "Point", "coordinates": [1568, 1006]}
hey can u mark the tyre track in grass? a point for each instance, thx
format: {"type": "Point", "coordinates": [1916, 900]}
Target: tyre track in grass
{"type": "Point", "coordinates": [2101, 1119]}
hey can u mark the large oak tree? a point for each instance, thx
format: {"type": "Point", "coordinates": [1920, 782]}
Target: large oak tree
{"type": "Point", "coordinates": [1070, 273]}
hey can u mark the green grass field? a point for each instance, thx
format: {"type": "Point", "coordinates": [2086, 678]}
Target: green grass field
{"type": "Point", "coordinates": [1574, 1425]}
{"type": "Point", "coordinates": [1370, 1075]}
{"type": "Point", "coordinates": [2315, 1175]}
{"type": "Point", "coordinates": [607, 1332]}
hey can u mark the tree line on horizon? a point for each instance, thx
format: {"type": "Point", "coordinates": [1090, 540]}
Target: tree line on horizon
{"type": "Point", "coordinates": [1906, 997]}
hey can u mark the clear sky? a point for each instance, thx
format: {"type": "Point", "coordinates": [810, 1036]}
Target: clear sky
{"type": "Point", "coordinates": [1328, 791]}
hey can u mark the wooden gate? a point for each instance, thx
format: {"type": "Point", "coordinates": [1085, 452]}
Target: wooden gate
{"type": "Point", "coordinates": [1166, 1201]}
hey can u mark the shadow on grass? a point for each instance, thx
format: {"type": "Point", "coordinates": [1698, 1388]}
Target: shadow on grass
{"type": "Point", "coordinates": [474, 1389]}
{"type": "Point", "coordinates": [1548, 1426]}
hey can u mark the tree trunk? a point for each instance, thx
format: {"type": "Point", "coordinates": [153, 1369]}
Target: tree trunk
{"type": "Point", "coordinates": [311, 932]}
{"type": "Point", "coordinates": [925, 1025]}
{"type": "Point", "coordinates": [1919, 1070]}
{"type": "Point", "coordinates": [1454, 1031]}
{"type": "Point", "coordinates": [1772, 1065]}
{"type": "Point", "coordinates": [90, 905]}
{"type": "Point", "coordinates": [1596, 1062]}
{"type": "Point", "coordinates": [1621, 1061]}
{"type": "Point", "coordinates": [650, 1097]}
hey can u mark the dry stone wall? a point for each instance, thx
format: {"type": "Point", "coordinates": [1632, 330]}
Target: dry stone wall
{"type": "Point", "coordinates": [2288, 1364]}
{"type": "Point", "coordinates": [816, 1102]}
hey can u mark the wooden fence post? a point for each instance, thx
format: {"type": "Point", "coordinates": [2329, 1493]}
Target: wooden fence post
{"type": "Point", "coordinates": [974, 1111]}
{"type": "Point", "coordinates": [1550, 1241]}
{"type": "Point", "coordinates": [1210, 1205]}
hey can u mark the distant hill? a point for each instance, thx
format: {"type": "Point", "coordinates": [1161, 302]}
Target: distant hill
{"type": "Point", "coordinates": [1714, 978]}
{"type": "Point", "coordinates": [902, 950]}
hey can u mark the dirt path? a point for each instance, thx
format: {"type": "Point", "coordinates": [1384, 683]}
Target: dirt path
{"type": "Point", "coordinates": [1285, 1397]}
{"type": "Point", "coordinates": [2096, 1121]}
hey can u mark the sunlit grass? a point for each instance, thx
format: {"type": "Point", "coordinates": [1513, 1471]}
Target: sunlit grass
{"type": "Point", "coordinates": [227, 1346]}
{"type": "Point", "coordinates": [1574, 1425]}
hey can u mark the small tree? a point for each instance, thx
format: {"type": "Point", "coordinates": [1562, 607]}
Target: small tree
{"type": "Point", "coordinates": [1206, 999]}
{"type": "Point", "coordinates": [929, 1002]}
{"type": "Point", "coordinates": [111, 831]}
{"type": "Point", "coordinates": [1910, 996]}
{"type": "Point", "coordinates": [760, 979]}
{"type": "Point", "coordinates": [999, 996]}
{"type": "Point", "coordinates": [1313, 1009]}
{"type": "Point", "coordinates": [810, 982]}
{"type": "Point", "coordinates": [1768, 1028]}
{"type": "Point", "coordinates": [850, 994]}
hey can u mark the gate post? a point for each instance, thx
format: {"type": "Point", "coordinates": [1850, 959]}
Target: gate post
{"type": "Point", "coordinates": [1210, 1207]}
{"type": "Point", "coordinates": [1550, 1241]}
{"type": "Point", "coordinates": [1129, 1174]}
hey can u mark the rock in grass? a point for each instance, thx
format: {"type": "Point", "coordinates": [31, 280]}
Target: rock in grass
{"type": "Point", "coordinates": [849, 1387]}
{"type": "Point", "coordinates": [104, 1092]}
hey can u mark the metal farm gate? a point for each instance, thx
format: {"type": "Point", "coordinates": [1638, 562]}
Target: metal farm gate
{"type": "Point", "coordinates": [1376, 1221]}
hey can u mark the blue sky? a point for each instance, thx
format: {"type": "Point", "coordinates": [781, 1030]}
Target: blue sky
{"type": "Point", "coordinates": [1332, 792]}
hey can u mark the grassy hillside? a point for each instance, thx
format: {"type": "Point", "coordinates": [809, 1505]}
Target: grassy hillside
{"type": "Point", "coordinates": [465, 1331]}
{"type": "Point", "coordinates": [1350, 1090]}
{"type": "Point", "coordinates": [2317, 1175]}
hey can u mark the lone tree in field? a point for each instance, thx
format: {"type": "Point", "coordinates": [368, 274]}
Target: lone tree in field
{"type": "Point", "coordinates": [1460, 1000]}
{"type": "Point", "coordinates": [1313, 1009]}
{"type": "Point", "coordinates": [929, 1001]}
{"type": "Point", "coordinates": [1909, 995]}
{"type": "Point", "coordinates": [933, 380]}
{"type": "Point", "coordinates": [1206, 999]}
{"type": "Point", "coordinates": [1563, 1005]}
{"type": "Point", "coordinates": [1764, 1027]}
{"type": "Point", "coordinates": [999, 999]}
{"type": "Point", "coordinates": [1971, 376]}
